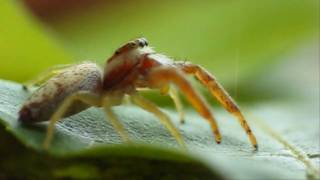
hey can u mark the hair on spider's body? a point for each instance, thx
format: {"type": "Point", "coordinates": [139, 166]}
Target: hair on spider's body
{"type": "Point", "coordinates": [45, 100]}
{"type": "Point", "coordinates": [132, 67]}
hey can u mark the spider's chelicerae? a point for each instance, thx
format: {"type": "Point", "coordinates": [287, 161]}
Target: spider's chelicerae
{"type": "Point", "coordinates": [134, 66]}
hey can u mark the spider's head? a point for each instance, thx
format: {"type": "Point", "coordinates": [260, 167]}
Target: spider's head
{"type": "Point", "coordinates": [132, 45]}
{"type": "Point", "coordinates": [131, 50]}
{"type": "Point", "coordinates": [124, 60]}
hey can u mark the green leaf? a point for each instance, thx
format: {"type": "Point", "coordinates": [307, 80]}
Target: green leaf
{"type": "Point", "coordinates": [86, 145]}
{"type": "Point", "coordinates": [26, 47]}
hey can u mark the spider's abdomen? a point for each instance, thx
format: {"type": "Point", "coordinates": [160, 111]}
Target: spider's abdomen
{"type": "Point", "coordinates": [44, 101]}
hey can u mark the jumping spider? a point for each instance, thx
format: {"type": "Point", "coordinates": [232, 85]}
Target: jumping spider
{"type": "Point", "coordinates": [70, 89]}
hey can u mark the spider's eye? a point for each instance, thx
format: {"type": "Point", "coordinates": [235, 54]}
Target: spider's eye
{"type": "Point", "coordinates": [143, 42]}
{"type": "Point", "coordinates": [117, 52]}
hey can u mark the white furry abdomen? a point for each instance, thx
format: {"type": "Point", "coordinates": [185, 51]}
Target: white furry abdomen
{"type": "Point", "coordinates": [44, 101]}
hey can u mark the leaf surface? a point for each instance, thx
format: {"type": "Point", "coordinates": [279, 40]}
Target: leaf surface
{"type": "Point", "coordinates": [284, 150]}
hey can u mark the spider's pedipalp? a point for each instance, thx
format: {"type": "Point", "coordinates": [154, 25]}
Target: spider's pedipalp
{"type": "Point", "coordinates": [219, 93]}
{"type": "Point", "coordinates": [162, 76]}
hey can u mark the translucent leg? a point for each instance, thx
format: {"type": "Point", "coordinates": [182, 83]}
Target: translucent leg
{"type": "Point", "coordinates": [176, 99]}
{"type": "Point", "coordinates": [107, 103]}
{"type": "Point", "coordinates": [160, 77]}
{"type": "Point", "coordinates": [44, 76]}
{"type": "Point", "coordinates": [152, 108]}
{"type": "Point", "coordinates": [86, 97]}
{"type": "Point", "coordinates": [172, 92]}
{"type": "Point", "coordinates": [220, 94]}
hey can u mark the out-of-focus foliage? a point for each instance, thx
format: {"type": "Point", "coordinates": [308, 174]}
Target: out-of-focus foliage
{"type": "Point", "coordinates": [25, 48]}
{"type": "Point", "coordinates": [230, 38]}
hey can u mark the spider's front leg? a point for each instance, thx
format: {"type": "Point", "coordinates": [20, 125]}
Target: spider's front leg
{"type": "Point", "coordinates": [161, 76]}
{"type": "Point", "coordinates": [219, 93]}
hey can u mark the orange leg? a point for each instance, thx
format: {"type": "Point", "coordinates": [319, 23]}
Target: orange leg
{"type": "Point", "coordinates": [219, 93]}
{"type": "Point", "coordinates": [162, 76]}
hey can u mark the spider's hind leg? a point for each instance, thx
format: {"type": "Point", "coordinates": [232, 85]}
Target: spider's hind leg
{"type": "Point", "coordinates": [219, 93]}
{"type": "Point", "coordinates": [44, 76]}
{"type": "Point", "coordinates": [86, 97]}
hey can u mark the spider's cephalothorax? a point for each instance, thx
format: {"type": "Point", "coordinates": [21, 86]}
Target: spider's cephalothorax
{"type": "Point", "coordinates": [134, 66]}
{"type": "Point", "coordinates": [125, 61]}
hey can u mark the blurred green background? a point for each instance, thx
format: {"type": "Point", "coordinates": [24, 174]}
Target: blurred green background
{"type": "Point", "coordinates": [238, 41]}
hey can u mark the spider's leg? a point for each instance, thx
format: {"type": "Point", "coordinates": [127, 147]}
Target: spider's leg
{"type": "Point", "coordinates": [44, 76]}
{"type": "Point", "coordinates": [179, 106]}
{"type": "Point", "coordinates": [162, 76]}
{"type": "Point", "coordinates": [83, 96]}
{"type": "Point", "coordinates": [219, 93]}
{"type": "Point", "coordinates": [107, 103]}
{"type": "Point", "coordinates": [172, 92]}
{"type": "Point", "coordinates": [152, 108]}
